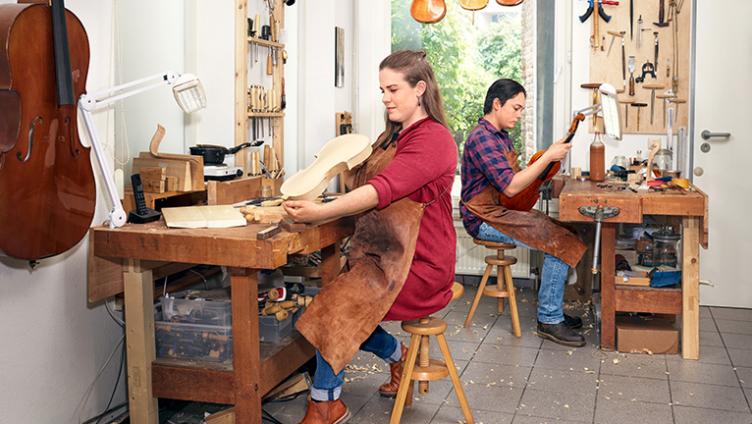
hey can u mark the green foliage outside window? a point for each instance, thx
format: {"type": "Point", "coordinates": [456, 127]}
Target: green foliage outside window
{"type": "Point", "coordinates": [466, 58]}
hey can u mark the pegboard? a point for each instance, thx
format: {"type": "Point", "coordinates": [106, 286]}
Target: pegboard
{"type": "Point", "coordinates": [605, 67]}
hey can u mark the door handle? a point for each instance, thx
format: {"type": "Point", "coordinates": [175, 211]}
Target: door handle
{"type": "Point", "coordinates": [707, 135]}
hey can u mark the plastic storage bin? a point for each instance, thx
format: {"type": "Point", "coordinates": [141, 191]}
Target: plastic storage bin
{"type": "Point", "coordinates": [196, 342]}
{"type": "Point", "coordinates": [198, 310]}
{"type": "Point", "coordinates": [273, 331]}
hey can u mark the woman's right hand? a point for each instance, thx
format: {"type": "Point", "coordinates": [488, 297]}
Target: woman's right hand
{"type": "Point", "coordinates": [558, 151]}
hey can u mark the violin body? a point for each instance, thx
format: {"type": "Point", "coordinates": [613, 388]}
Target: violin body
{"type": "Point", "coordinates": [510, 3]}
{"type": "Point", "coordinates": [527, 198]}
{"type": "Point", "coordinates": [47, 188]}
{"type": "Point", "coordinates": [428, 11]}
{"type": "Point", "coordinates": [338, 155]}
{"type": "Point", "coordinates": [473, 4]}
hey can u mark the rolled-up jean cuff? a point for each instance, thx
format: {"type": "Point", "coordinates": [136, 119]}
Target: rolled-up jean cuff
{"type": "Point", "coordinates": [323, 395]}
{"type": "Point", "coordinates": [396, 356]}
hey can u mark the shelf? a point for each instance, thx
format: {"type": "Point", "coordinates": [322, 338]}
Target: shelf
{"type": "Point", "coordinates": [267, 43]}
{"type": "Point", "coordinates": [266, 114]}
{"type": "Point", "coordinates": [646, 299]}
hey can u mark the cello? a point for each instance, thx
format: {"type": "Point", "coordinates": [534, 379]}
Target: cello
{"type": "Point", "coordinates": [47, 187]}
{"type": "Point", "coordinates": [527, 198]}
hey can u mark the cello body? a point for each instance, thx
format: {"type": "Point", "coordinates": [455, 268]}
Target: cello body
{"type": "Point", "coordinates": [527, 198]}
{"type": "Point", "coordinates": [47, 187]}
{"type": "Point", "coordinates": [428, 11]}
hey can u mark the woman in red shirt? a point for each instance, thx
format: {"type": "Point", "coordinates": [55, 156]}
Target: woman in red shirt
{"type": "Point", "coordinates": [422, 170]}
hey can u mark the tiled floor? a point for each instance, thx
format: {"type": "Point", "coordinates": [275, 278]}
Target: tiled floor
{"type": "Point", "coordinates": [527, 380]}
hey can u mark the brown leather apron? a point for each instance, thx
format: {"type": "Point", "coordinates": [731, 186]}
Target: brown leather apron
{"type": "Point", "coordinates": [533, 228]}
{"type": "Point", "coordinates": [347, 310]}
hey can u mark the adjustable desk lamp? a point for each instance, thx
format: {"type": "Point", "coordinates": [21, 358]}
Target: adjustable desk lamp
{"type": "Point", "coordinates": [188, 92]}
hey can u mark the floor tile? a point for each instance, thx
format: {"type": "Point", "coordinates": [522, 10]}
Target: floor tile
{"type": "Point", "coordinates": [635, 365]}
{"type": "Point", "coordinates": [698, 372]}
{"type": "Point", "coordinates": [628, 412]}
{"type": "Point", "coordinates": [745, 376]}
{"type": "Point", "coordinates": [453, 415]}
{"type": "Point", "coordinates": [571, 405]}
{"type": "Point", "coordinates": [737, 341]}
{"type": "Point", "coordinates": [710, 338]}
{"type": "Point", "coordinates": [506, 355]}
{"type": "Point", "coordinates": [708, 355]}
{"type": "Point", "coordinates": [708, 396]}
{"type": "Point", "coordinates": [460, 351]}
{"type": "Point", "coordinates": [738, 314]}
{"type": "Point", "coordinates": [378, 410]}
{"type": "Point", "coordinates": [562, 381]}
{"type": "Point", "coordinates": [737, 327]}
{"type": "Point", "coordinates": [493, 398]}
{"type": "Point", "coordinates": [494, 375]}
{"type": "Point", "coordinates": [633, 389]}
{"type": "Point", "coordinates": [583, 359]}
{"type": "Point", "coordinates": [707, 324]}
{"type": "Point", "coordinates": [705, 312]}
{"type": "Point", "coordinates": [740, 357]}
{"type": "Point", "coordinates": [503, 336]}
{"type": "Point", "coordinates": [690, 415]}
{"type": "Point", "coordinates": [526, 419]}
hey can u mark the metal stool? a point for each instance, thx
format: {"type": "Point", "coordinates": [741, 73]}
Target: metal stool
{"type": "Point", "coordinates": [504, 283]}
{"type": "Point", "coordinates": [419, 366]}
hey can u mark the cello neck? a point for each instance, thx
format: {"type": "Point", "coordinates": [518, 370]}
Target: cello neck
{"type": "Point", "coordinates": [62, 55]}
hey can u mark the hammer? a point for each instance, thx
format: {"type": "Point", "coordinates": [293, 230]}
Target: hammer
{"type": "Point", "coordinates": [665, 98]}
{"type": "Point", "coordinates": [626, 103]}
{"type": "Point", "coordinates": [638, 106]}
{"type": "Point", "coordinates": [613, 35]}
{"type": "Point", "coordinates": [652, 88]}
{"type": "Point", "coordinates": [661, 15]}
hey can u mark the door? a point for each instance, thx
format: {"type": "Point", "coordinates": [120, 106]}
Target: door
{"type": "Point", "coordinates": [723, 104]}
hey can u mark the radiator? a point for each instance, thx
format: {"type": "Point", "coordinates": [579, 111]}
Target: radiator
{"type": "Point", "coordinates": [470, 256]}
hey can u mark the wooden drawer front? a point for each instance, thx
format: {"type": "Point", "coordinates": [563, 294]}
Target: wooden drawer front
{"type": "Point", "coordinates": [630, 210]}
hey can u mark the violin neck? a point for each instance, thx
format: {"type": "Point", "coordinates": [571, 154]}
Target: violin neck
{"type": "Point", "coordinates": [62, 55]}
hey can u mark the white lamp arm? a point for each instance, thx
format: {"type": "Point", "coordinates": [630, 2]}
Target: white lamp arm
{"type": "Point", "coordinates": [101, 99]}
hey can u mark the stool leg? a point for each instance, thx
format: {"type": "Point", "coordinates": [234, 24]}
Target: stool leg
{"type": "Point", "coordinates": [500, 283]}
{"type": "Point", "coordinates": [399, 402]}
{"type": "Point", "coordinates": [512, 301]}
{"type": "Point", "coordinates": [424, 360]}
{"type": "Point", "coordinates": [455, 379]}
{"type": "Point", "coordinates": [482, 286]}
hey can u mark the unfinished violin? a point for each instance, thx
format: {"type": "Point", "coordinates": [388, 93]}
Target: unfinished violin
{"type": "Point", "coordinates": [473, 4]}
{"type": "Point", "coordinates": [428, 11]}
{"type": "Point", "coordinates": [338, 155]}
{"type": "Point", "coordinates": [47, 188]}
{"type": "Point", "coordinates": [510, 2]}
{"type": "Point", "coordinates": [527, 198]}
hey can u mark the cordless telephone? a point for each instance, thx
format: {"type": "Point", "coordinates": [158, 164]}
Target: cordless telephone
{"type": "Point", "coordinates": [141, 214]}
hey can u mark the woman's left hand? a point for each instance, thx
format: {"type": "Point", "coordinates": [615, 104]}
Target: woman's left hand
{"type": "Point", "coordinates": [304, 210]}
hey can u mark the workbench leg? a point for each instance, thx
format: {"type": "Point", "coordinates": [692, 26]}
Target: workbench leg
{"type": "Point", "coordinates": [139, 338]}
{"type": "Point", "coordinates": [608, 293]}
{"type": "Point", "coordinates": [691, 288]}
{"type": "Point", "coordinates": [330, 263]}
{"type": "Point", "coordinates": [246, 352]}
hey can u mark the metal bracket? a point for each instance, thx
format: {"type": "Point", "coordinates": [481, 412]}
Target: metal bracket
{"type": "Point", "coordinates": [598, 213]}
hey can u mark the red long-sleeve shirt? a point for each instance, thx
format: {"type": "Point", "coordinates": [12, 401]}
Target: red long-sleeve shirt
{"type": "Point", "coordinates": [423, 170]}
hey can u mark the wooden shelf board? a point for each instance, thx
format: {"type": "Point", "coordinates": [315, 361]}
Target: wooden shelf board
{"type": "Point", "coordinates": [267, 43]}
{"type": "Point", "coordinates": [266, 114]}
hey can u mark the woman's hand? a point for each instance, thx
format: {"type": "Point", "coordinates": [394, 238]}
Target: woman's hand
{"type": "Point", "coordinates": [305, 210]}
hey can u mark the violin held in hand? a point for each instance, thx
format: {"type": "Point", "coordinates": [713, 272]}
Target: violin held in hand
{"type": "Point", "coordinates": [527, 198]}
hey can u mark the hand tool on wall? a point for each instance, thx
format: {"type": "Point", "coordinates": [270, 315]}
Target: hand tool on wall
{"type": "Point", "coordinates": [626, 103]}
{"type": "Point", "coordinates": [639, 32]}
{"type": "Point", "coordinates": [678, 102]}
{"type": "Point", "coordinates": [269, 64]}
{"type": "Point", "coordinates": [595, 37]}
{"type": "Point", "coordinates": [647, 69]}
{"type": "Point", "coordinates": [593, 87]}
{"type": "Point", "coordinates": [631, 65]}
{"type": "Point", "coordinates": [613, 35]}
{"type": "Point", "coordinates": [631, 20]}
{"type": "Point", "coordinates": [639, 107]}
{"type": "Point", "coordinates": [665, 97]}
{"type": "Point", "coordinates": [652, 88]}
{"type": "Point", "coordinates": [656, 44]}
{"type": "Point", "coordinates": [661, 15]}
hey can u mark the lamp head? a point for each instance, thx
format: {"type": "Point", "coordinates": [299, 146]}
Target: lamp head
{"type": "Point", "coordinates": [610, 111]}
{"type": "Point", "coordinates": [189, 93]}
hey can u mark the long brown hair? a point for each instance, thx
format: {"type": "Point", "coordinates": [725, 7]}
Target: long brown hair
{"type": "Point", "coordinates": [413, 65]}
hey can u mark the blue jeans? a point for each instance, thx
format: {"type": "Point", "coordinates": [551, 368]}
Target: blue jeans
{"type": "Point", "coordinates": [328, 386]}
{"type": "Point", "coordinates": [553, 278]}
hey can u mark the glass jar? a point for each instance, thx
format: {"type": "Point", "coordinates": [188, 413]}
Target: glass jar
{"type": "Point", "coordinates": [665, 247]}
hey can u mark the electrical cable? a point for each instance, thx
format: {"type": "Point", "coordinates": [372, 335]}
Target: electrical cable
{"type": "Point", "coordinates": [114, 408]}
{"type": "Point", "coordinates": [85, 398]}
{"type": "Point", "coordinates": [206, 286]}
{"type": "Point", "coordinates": [117, 381]}
{"type": "Point", "coordinates": [112, 315]}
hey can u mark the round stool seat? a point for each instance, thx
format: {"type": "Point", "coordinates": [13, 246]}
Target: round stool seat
{"type": "Point", "coordinates": [457, 290]}
{"type": "Point", "coordinates": [497, 261]}
{"type": "Point", "coordinates": [437, 370]}
{"type": "Point", "coordinates": [492, 291]}
{"type": "Point", "coordinates": [431, 327]}
{"type": "Point", "coordinates": [495, 245]}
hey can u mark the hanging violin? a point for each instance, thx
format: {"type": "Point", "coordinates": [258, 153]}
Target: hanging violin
{"type": "Point", "coordinates": [527, 198]}
{"type": "Point", "coordinates": [510, 2]}
{"type": "Point", "coordinates": [473, 4]}
{"type": "Point", "coordinates": [428, 11]}
{"type": "Point", "coordinates": [47, 188]}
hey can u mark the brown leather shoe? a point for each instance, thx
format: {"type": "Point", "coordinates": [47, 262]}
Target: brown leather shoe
{"type": "Point", "coordinates": [329, 412]}
{"type": "Point", "coordinates": [389, 389]}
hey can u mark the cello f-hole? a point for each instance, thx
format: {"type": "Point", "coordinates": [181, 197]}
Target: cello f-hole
{"type": "Point", "coordinates": [72, 145]}
{"type": "Point", "coordinates": [32, 128]}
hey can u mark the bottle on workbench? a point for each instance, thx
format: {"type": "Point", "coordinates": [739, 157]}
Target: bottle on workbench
{"type": "Point", "coordinates": [597, 160]}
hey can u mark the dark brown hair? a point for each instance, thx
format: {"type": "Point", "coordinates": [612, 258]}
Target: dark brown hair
{"type": "Point", "coordinates": [413, 65]}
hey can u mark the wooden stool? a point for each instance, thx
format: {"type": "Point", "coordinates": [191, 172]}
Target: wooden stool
{"type": "Point", "coordinates": [427, 369]}
{"type": "Point", "coordinates": [504, 283]}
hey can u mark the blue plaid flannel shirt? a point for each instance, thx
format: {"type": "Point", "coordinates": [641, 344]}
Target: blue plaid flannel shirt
{"type": "Point", "coordinates": [484, 163]}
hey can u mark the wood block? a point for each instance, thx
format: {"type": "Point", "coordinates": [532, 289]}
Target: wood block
{"type": "Point", "coordinates": [223, 417]}
{"type": "Point", "coordinates": [234, 191]}
{"type": "Point", "coordinates": [633, 278]}
{"type": "Point", "coordinates": [269, 215]}
{"type": "Point", "coordinates": [153, 179]}
{"type": "Point", "coordinates": [189, 172]}
{"type": "Point", "coordinates": [171, 183]}
{"type": "Point", "coordinates": [218, 216]}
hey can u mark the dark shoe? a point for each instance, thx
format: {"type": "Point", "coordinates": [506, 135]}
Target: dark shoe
{"type": "Point", "coordinates": [572, 322]}
{"type": "Point", "coordinates": [561, 334]}
{"type": "Point", "coordinates": [330, 412]}
{"type": "Point", "coordinates": [389, 389]}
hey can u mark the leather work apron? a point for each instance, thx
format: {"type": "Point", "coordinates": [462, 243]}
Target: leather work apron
{"type": "Point", "coordinates": [534, 228]}
{"type": "Point", "coordinates": [347, 310]}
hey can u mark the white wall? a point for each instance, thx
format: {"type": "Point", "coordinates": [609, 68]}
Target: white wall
{"type": "Point", "coordinates": [53, 344]}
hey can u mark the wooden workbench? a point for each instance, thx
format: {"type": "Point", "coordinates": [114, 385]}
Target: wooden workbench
{"type": "Point", "coordinates": [254, 370]}
{"type": "Point", "coordinates": [691, 208]}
